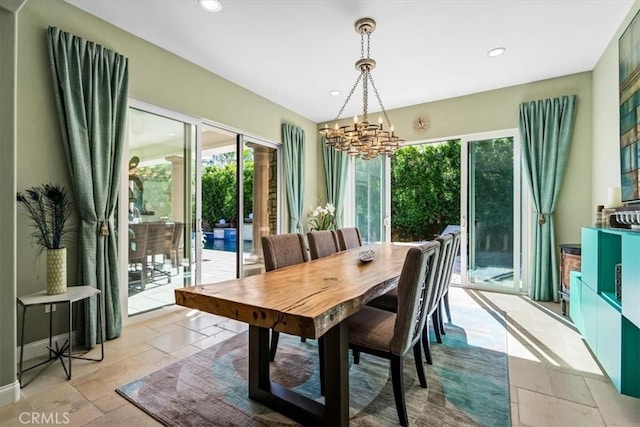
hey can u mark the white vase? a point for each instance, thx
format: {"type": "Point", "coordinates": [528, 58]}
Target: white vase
{"type": "Point", "coordinates": [56, 271]}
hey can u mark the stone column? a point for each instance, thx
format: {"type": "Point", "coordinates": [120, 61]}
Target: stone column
{"type": "Point", "coordinates": [260, 197]}
{"type": "Point", "coordinates": [177, 187]}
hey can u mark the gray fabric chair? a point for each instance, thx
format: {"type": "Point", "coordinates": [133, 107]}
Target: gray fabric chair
{"type": "Point", "coordinates": [391, 335]}
{"type": "Point", "coordinates": [445, 297]}
{"type": "Point", "coordinates": [389, 301]}
{"type": "Point", "coordinates": [322, 243]}
{"type": "Point", "coordinates": [349, 238]}
{"type": "Point", "coordinates": [282, 250]}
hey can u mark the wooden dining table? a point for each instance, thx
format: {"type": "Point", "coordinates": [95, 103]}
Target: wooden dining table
{"type": "Point", "coordinates": [311, 300]}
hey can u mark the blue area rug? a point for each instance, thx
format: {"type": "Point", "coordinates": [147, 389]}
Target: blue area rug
{"type": "Point", "coordinates": [468, 382]}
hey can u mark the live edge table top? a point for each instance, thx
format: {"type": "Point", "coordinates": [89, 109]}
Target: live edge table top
{"type": "Point", "coordinates": [304, 299]}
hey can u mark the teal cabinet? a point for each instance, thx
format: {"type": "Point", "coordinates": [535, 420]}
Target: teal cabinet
{"type": "Point", "coordinates": [575, 299]}
{"type": "Point", "coordinates": [590, 317]}
{"type": "Point", "coordinates": [609, 340]}
{"type": "Point", "coordinates": [631, 278]}
{"type": "Point", "coordinates": [590, 257]}
{"type": "Point", "coordinates": [610, 326]}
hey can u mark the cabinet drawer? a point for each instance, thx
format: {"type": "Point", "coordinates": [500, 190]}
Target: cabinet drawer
{"type": "Point", "coordinates": [609, 341]}
{"type": "Point", "coordinates": [590, 250]}
{"type": "Point", "coordinates": [631, 278]}
{"type": "Point", "coordinates": [575, 300]}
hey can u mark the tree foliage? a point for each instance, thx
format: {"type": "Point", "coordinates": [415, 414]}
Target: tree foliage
{"type": "Point", "coordinates": [425, 190]}
{"type": "Point", "coordinates": [219, 193]}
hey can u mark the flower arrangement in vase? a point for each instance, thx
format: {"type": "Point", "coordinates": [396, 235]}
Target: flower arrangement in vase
{"type": "Point", "coordinates": [49, 208]}
{"type": "Point", "coordinates": [323, 218]}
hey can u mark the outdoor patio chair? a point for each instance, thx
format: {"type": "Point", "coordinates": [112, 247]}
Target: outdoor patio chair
{"type": "Point", "coordinates": [175, 252]}
{"type": "Point", "coordinates": [138, 253]}
{"type": "Point", "coordinates": [159, 243]}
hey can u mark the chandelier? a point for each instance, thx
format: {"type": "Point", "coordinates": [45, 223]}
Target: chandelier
{"type": "Point", "coordinates": [364, 139]}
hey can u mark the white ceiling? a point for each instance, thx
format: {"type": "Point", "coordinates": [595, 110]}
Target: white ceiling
{"type": "Point", "coordinates": [294, 52]}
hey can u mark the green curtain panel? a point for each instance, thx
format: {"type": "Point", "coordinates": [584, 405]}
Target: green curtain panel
{"type": "Point", "coordinates": [293, 140]}
{"type": "Point", "coordinates": [546, 127]}
{"type": "Point", "coordinates": [335, 177]}
{"type": "Point", "coordinates": [90, 85]}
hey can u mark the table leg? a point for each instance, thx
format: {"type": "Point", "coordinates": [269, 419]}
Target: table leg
{"type": "Point", "coordinates": [70, 342]}
{"type": "Point", "coordinates": [24, 313]}
{"type": "Point", "coordinates": [335, 411]}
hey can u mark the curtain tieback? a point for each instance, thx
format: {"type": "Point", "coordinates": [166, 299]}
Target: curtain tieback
{"type": "Point", "coordinates": [104, 229]}
{"type": "Point", "coordinates": [541, 215]}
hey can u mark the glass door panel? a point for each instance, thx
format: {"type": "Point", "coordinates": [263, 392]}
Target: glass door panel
{"type": "Point", "coordinates": [260, 203]}
{"type": "Point", "coordinates": [491, 209]}
{"type": "Point", "coordinates": [219, 195]}
{"type": "Point", "coordinates": [159, 192]}
{"type": "Point", "coordinates": [370, 201]}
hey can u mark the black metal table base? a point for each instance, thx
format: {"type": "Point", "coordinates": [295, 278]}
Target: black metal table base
{"type": "Point", "coordinates": [66, 351]}
{"type": "Point", "coordinates": [335, 410]}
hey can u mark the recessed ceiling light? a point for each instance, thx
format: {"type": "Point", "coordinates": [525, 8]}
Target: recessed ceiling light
{"type": "Point", "coordinates": [334, 92]}
{"type": "Point", "coordinates": [496, 51]}
{"type": "Point", "coordinates": [210, 5]}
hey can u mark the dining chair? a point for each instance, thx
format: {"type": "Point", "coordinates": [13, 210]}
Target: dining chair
{"type": "Point", "coordinates": [138, 251]}
{"type": "Point", "coordinates": [349, 238]}
{"type": "Point", "coordinates": [175, 251]}
{"type": "Point", "coordinates": [391, 335]}
{"type": "Point", "coordinates": [282, 250]}
{"type": "Point", "coordinates": [159, 243]}
{"type": "Point", "coordinates": [322, 243]}
{"type": "Point", "coordinates": [449, 270]}
{"type": "Point", "coordinates": [389, 301]}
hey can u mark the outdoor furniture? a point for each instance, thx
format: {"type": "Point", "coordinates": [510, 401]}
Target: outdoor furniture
{"type": "Point", "coordinates": [159, 243]}
{"type": "Point", "coordinates": [175, 252]}
{"type": "Point", "coordinates": [138, 234]}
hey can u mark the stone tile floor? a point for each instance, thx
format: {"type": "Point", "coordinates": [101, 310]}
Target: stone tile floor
{"type": "Point", "coordinates": [553, 377]}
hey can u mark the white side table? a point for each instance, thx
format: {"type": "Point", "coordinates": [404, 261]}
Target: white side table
{"type": "Point", "coordinates": [73, 294]}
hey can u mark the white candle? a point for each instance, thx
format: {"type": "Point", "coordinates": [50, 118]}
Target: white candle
{"type": "Point", "coordinates": [614, 198]}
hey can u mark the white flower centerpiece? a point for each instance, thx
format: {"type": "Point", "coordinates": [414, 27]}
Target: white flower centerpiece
{"type": "Point", "coordinates": [323, 217]}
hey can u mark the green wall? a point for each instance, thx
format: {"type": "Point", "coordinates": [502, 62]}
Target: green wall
{"type": "Point", "coordinates": [8, 29]}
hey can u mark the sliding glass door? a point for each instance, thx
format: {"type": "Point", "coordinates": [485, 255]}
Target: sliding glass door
{"type": "Point", "coordinates": [199, 197]}
{"type": "Point", "coordinates": [159, 189]}
{"type": "Point", "coordinates": [491, 212]}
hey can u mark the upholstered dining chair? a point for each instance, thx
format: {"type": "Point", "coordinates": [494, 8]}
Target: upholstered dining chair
{"type": "Point", "coordinates": [389, 301]}
{"type": "Point", "coordinates": [282, 250]}
{"type": "Point", "coordinates": [349, 238]}
{"type": "Point", "coordinates": [322, 243]}
{"type": "Point", "coordinates": [447, 280]}
{"type": "Point", "coordinates": [391, 335]}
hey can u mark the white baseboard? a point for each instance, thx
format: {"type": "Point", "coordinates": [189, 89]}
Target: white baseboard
{"type": "Point", "coordinates": [39, 348]}
{"type": "Point", "coordinates": [9, 393]}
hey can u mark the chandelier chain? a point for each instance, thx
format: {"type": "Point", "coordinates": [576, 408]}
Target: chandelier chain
{"type": "Point", "coordinates": [365, 95]}
{"type": "Point", "coordinates": [375, 90]}
{"type": "Point", "coordinates": [355, 85]}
